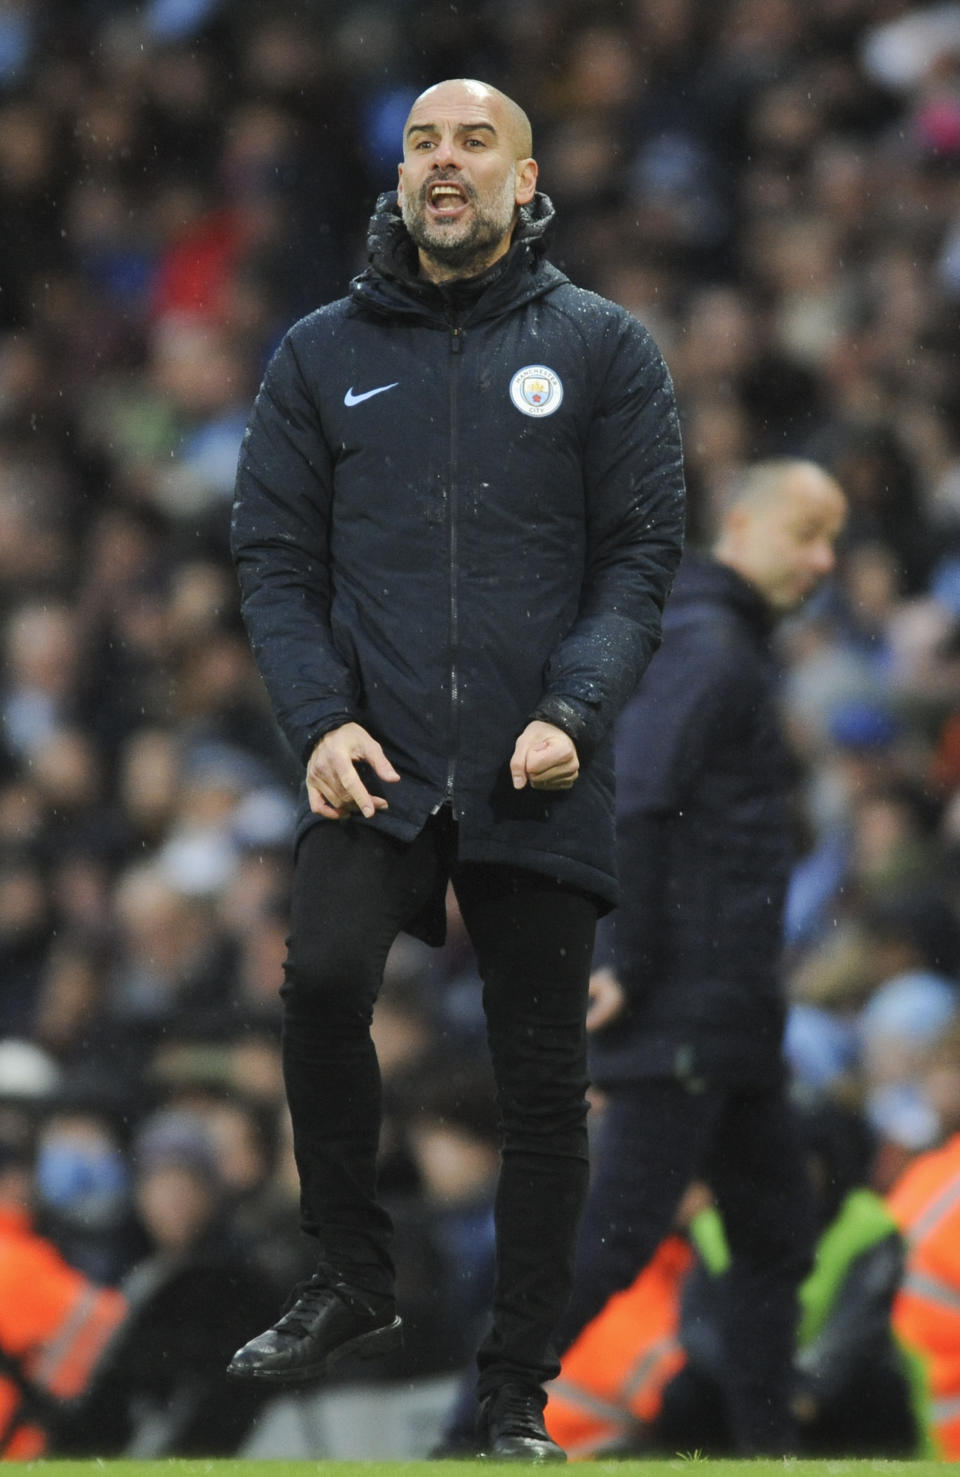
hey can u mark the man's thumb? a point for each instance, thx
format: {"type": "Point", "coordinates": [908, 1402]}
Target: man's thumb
{"type": "Point", "coordinates": [518, 770]}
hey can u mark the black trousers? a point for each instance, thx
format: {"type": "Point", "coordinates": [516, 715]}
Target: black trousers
{"type": "Point", "coordinates": [354, 890]}
{"type": "Point", "coordinates": [656, 1137]}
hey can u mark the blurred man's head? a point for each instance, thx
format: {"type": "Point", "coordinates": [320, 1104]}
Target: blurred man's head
{"type": "Point", "coordinates": [779, 529]}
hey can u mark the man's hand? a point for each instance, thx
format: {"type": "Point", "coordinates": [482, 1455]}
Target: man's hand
{"type": "Point", "coordinates": [545, 757]}
{"type": "Point", "coordinates": [607, 999]}
{"type": "Point", "coordinates": [334, 787]}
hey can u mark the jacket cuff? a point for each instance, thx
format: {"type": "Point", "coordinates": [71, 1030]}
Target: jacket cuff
{"type": "Point", "coordinates": [335, 720]}
{"type": "Point", "coordinates": [567, 714]}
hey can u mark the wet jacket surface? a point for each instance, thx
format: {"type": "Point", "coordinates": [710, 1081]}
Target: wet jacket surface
{"type": "Point", "coordinates": [705, 846]}
{"type": "Point", "coordinates": [440, 547]}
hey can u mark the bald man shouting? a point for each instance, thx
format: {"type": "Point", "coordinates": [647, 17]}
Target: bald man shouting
{"type": "Point", "coordinates": [459, 509]}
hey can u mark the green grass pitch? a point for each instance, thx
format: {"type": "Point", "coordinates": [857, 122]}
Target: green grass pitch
{"type": "Point", "coordinates": [234, 1467]}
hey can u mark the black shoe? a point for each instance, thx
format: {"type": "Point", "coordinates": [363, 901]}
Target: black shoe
{"type": "Point", "coordinates": [510, 1427]}
{"type": "Point", "coordinates": [327, 1322]}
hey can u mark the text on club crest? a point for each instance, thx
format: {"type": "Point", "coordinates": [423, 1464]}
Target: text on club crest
{"type": "Point", "coordinates": [536, 390]}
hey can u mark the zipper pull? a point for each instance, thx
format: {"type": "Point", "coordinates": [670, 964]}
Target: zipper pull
{"type": "Point", "coordinates": [456, 335]}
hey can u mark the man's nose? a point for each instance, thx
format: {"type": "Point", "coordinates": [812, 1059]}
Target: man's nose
{"type": "Point", "coordinates": [445, 155]}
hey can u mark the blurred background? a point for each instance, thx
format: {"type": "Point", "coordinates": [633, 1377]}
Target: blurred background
{"type": "Point", "coordinates": [775, 190]}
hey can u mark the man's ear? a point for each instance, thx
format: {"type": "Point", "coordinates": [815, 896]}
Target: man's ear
{"type": "Point", "coordinates": [734, 519]}
{"type": "Point", "coordinates": [399, 184]}
{"type": "Point", "coordinates": [733, 524]}
{"type": "Point", "coordinates": [526, 188]}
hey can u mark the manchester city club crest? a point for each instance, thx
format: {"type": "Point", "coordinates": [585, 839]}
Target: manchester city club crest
{"type": "Point", "coordinates": [536, 390]}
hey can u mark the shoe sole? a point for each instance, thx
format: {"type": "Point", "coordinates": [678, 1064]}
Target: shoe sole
{"type": "Point", "coordinates": [542, 1458]}
{"type": "Point", "coordinates": [546, 1456]}
{"type": "Point", "coordinates": [370, 1345]}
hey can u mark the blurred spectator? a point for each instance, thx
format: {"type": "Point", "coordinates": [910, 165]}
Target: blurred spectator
{"type": "Point", "coordinates": [83, 1187]}
{"type": "Point", "coordinates": [246, 1140]}
{"type": "Point", "coordinates": [56, 1324]}
{"type": "Point", "coordinates": [164, 1393]}
{"type": "Point", "coordinates": [447, 1116]}
{"type": "Point", "coordinates": [924, 1201]}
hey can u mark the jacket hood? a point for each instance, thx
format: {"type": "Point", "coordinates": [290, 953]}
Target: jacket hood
{"type": "Point", "coordinates": [701, 578]}
{"type": "Point", "coordinates": [393, 262]}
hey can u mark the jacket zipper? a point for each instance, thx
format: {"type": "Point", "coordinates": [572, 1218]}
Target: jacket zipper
{"type": "Point", "coordinates": [456, 349]}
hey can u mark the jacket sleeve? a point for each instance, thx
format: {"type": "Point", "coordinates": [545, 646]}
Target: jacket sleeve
{"type": "Point", "coordinates": [634, 498]}
{"type": "Point", "coordinates": [695, 700]}
{"type": "Point", "coordinates": [629, 938]}
{"type": "Point", "coordinates": [280, 547]}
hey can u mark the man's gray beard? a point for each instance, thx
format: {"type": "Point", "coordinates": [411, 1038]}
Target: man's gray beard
{"type": "Point", "coordinates": [472, 250]}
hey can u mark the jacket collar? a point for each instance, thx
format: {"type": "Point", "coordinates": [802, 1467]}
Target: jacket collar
{"type": "Point", "coordinates": [701, 577]}
{"type": "Point", "coordinates": [391, 283]}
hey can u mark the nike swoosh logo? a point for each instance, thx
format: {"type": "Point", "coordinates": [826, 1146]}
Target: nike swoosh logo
{"type": "Point", "coordinates": [351, 399]}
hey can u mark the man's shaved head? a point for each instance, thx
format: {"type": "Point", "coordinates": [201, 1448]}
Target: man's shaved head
{"type": "Point", "coordinates": [466, 173]}
{"type": "Point", "coordinates": [512, 121]}
{"type": "Point", "coordinates": [779, 528]}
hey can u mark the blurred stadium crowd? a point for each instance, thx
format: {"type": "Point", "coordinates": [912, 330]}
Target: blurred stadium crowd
{"type": "Point", "coordinates": [775, 189]}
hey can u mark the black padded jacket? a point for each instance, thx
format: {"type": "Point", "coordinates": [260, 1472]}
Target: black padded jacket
{"type": "Point", "coordinates": [706, 846]}
{"type": "Point", "coordinates": [455, 510]}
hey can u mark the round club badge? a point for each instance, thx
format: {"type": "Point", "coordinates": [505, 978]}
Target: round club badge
{"type": "Point", "coordinates": [536, 390]}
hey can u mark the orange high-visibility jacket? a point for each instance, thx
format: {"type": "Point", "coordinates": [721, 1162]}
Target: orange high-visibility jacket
{"type": "Point", "coordinates": [616, 1370]}
{"type": "Point", "coordinates": [925, 1203]}
{"type": "Point", "coordinates": [54, 1324]}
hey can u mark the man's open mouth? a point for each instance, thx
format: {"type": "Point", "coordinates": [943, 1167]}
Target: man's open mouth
{"type": "Point", "coordinates": [445, 197]}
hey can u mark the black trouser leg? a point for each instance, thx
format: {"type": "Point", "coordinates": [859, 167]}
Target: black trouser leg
{"type": "Point", "coordinates": [759, 1179]}
{"type": "Point", "coordinates": [533, 941]}
{"type": "Point", "coordinates": [353, 891]}
{"type": "Point", "coordinates": [656, 1137]}
{"type": "Point", "coordinates": [650, 1140]}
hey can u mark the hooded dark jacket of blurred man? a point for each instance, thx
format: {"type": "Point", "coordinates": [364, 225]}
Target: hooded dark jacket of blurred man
{"type": "Point", "coordinates": [687, 1023]}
